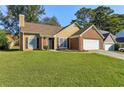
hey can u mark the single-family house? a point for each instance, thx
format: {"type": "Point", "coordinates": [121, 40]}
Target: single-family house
{"type": "Point", "coordinates": [36, 36]}
{"type": "Point", "coordinates": [120, 38]}
{"type": "Point", "coordinates": [109, 40]}
{"type": "Point", "coordinates": [11, 39]}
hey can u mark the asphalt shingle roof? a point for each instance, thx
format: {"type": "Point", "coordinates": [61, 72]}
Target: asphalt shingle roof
{"type": "Point", "coordinates": [42, 29]}
{"type": "Point", "coordinates": [120, 33]}
{"type": "Point", "coordinates": [120, 39]}
{"type": "Point", "coordinates": [104, 32]}
{"type": "Point", "coordinates": [80, 31]}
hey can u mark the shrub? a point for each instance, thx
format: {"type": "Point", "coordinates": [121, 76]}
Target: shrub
{"type": "Point", "coordinates": [3, 40]}
{"type": "Point", "coordinates": [45, 37]}
{"type": "Point", "coordinates": [46, 47]}
{"type": "Point", "coordinates": [117, 46]}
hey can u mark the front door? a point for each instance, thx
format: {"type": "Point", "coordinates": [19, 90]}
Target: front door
{"type": "Point", "coordinates": [51, 43]}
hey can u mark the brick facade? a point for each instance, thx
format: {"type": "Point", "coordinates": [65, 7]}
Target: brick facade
{"type": "Point", "coordinates": [77, 43]}
{"type": "Point", "coordinates": [74, 43]}
{"type": "Point", "coordinates": [45, 41]}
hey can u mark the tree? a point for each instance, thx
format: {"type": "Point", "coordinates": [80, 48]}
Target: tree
{"type": "Point", "coordinates": [84, 16]}
{"type": "Point", "coordinates": [102, 17]}
{"type": "Point", "coordinates": [115, 23]}
{"type": "Point", "coordinates": [1, 14]}
{"type": "Point", "coordinates": [3, 40]}
{"type": "Point", "coordinates": [51, 21]}
{"type": "Point", "coordinates": [32, 14]}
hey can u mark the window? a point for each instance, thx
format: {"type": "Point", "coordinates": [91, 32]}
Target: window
{"type": "Point", "coordinates": [62, 42]}
{"type": "Point", "coordinates": [26, 42]}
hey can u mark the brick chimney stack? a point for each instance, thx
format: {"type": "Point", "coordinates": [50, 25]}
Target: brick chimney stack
{"type": "Point", "coordinates": [21, 20]}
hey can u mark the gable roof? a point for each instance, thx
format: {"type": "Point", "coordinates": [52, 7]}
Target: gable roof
{"type": "Point", "coordinates": [42, 29]}
{"type": "Point", "coordinates": [112, 36]}
{"type": "Point", "coordinates": [120, 36]}
{"type": "Point", "coordinates": [106, 34]}
{"type": "Point", "coordinates": [68, 26]}
{"type": "Point", "coordinates": [80, 31]}
{"type": "Point", "coordinates": [120, 40]}
{"type": "Point", "coordinates": [83, 30]}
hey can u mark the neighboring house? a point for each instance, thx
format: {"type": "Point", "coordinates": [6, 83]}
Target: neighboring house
{"type": "Point", "coordinates": [10, 39]}
{"type": "Point", "coordinates": [120, 38]}
{"type": "Point", "coordinates": [36, 36]}
{"type": "Point", "coordinates": [109, 40]}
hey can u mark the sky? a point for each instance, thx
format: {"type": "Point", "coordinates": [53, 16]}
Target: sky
{"type": "Point", "coordinates": [65, 13]}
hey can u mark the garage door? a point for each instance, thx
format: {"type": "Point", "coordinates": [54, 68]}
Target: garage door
{"type": "Point", "coordinates": [90, 44]}
{"type": "Point", "coordinates": [32, 42]}
{"type": "Point", "coordinates": [109, 47]}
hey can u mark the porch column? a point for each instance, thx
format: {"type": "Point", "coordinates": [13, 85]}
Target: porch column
{"type": "Point", "coordinates": [55, 43]}
{"type": "Point", "coordinates": [69, 44]}
{"type": "Point", "coordinates": [23, 42]}
{"type": "Point", "coordinates": [41, 43]}
{"type": "Point", "coordinates": [80, 43]}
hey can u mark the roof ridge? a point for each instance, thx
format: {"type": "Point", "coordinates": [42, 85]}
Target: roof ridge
{"type": "Point", "coordinates": [42, 24]}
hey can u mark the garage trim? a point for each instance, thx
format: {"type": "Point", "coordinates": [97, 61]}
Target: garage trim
{"type": "Point", "coordinates": [95, 29]}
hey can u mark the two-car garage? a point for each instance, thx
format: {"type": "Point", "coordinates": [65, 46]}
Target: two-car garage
{"type": "Point", "coordinates": [90, 44]}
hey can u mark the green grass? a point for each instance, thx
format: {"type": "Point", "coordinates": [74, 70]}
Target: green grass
{"type": "Point", "coordinates": [42, 68]}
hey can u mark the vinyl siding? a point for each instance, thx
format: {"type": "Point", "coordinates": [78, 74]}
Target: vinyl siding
{"type": "Point", "coordinates": [65, 33]}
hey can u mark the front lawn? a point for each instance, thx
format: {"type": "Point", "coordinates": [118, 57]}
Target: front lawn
{"type": "Point", "coordinates": [41, 68]}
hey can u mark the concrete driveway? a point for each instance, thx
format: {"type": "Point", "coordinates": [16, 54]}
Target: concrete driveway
{"type": "Point", "coordinates": [110, 54]}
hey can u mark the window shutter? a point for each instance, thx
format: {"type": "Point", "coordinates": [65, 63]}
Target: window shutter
{"type": "Point", "coordinates": [26, 43]}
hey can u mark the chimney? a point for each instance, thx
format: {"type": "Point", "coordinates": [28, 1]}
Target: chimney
{"type": "Point", "coordinates": [21, 20]}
